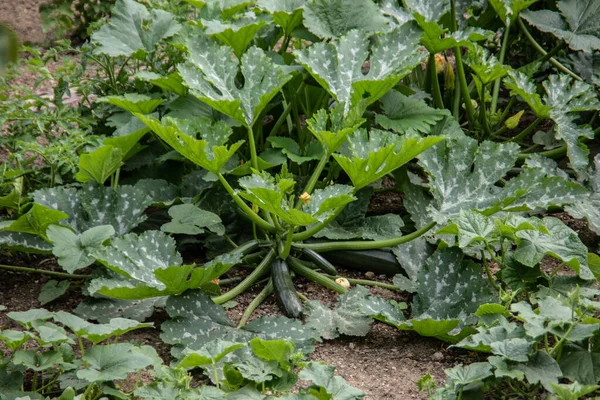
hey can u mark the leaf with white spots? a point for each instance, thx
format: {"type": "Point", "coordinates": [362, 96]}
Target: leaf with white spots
{"type": "Point", "coordinates": [331, 128]}
{"type": "Point", "coordinates": [508, 10]}
{"type": "Point", "coordinates": [338, 65]}
{"type": "Point", "coordinates": [285, 13]}
{"type": "Point", "coordinates": [237, 33]}
{"type": "Point", "coordinates": [175, 280]}
{"type": "Point", "coordinates": [35, 221]}
{"type": "Point", "coordinates": [588, 206]}
{"type": "Point", "coordinates": [133, 30]}
{"type": "Point", "coordinates": [347, 318]}
{"type": "Point", "coordinates": [464, 176]}
{"type": "Point", "coordinates": [137, 257]}
{"type": "Point", "coordinates": [211, 71]}
{"type": "Point", "coordinates": [485, 65]}
{"type": "Point", "coordinates": [576, 23]}
{"type": "Point", "coordinates": [371, 156]}
{"type": "Point", "coordinates": [564, 98]}
{"type": "Point", "coordinates": [25, 242]}
{"type": "Point", "coordinates": [330, 19]}
{"type": "Point", "coordinates": [436, 38]}
{"type": "Point", "coordinates": [94, 205]}
{"type": "Point", "coordinates": [197, 320]}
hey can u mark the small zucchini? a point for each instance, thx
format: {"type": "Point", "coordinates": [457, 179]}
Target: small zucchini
{"type": "Point", "coordinates": [285, 291]}
{"type": "Point", "coordinates": [320, 261]}
{"type": "Point", "coordinates": [379, 261]}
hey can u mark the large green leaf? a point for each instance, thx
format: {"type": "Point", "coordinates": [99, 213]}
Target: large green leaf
{"type": "Point", "coordinates": [137, 257]}
{"type": "Point", "coordinates": [31, 359]}
{"type": "Point", "coordinates": [580, 364]}
{"type": "Point", "coordinates": [170, 83]}
{"type": "Point", "coordinates": [464, 375]}
{"type": "Point", "coordinates": [36, 221]}
{"type": "Point", "coordinates": [211, 71]}
{"type": "Point", "coordinates": [210, 153]}
{"type": "Point", "coordinates": [197, 320]}
{"type": "Point", "coordinates": [323, 376]}
{"type": "Point", "coordinates": [174, 279]}
{"type": "Point", "coordinates": [331, 128]}
{"type": "Point", "coordinates": [561, 242]}
{"type": "Point", "coordinates": [100, 164]}
{"type": "Point", "coordinates": [133, 102]}
{"type": "Point", "coordinates": [485, 65]}
{"type": "Point", "coordinates": [73, 249]}
{"type": "Point", "coordinates": [508, 10]}
{"type": "Point", "coordinates": [372, 156]}
{"type": "Point", "coordinates": [428, 13]}
{"type": "Point", "coordinates": [97, 333]}
{"type": "Point", "coordinates": [94, 205]}
{"type": "Point", "coordinates": [463, 176]}
{"type": "Point", "coordinates": [292, 150]}
{"type": "Point", "coordinates": [577, 23]}
{"type": "Point", "coordinates": [211, 353]}
{"type": "Point", "coordinates": [589, 206]}
{"type": "Point", "coordinates": [564, 97]}
{"type": "Point", "coordinates": [376, 227]}
{"type": "Point", "coordinates": [265, 193]}
{"type": "Point", "coordinates": [133, 30]}
{"type": "Point", "coordinates": [236, 34]}
{"type": "Point", "coordinates": [116, 361]}
{"type": "Point", "coordinates": [25, 242]}
{"type": "Point", "coordinates": [541, 368]}
{"type": "Point", "coordinates": [285, 13]}
{"type": "Point", "coordinates": [408, 115]}
{"type": "Point", "coordinates": [190, 220]}
{"type": "Point", "coordinates": [337, 65]}
{"type": "Point", "coordinates": [506, 339]}
{"type": "Point", "coordinates": [334, 18]}
{"type": "Point", "coordinates": [348, 318]}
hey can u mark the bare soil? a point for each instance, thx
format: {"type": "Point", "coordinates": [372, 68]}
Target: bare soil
{"type": "Point", "coordinates": [24, 18]}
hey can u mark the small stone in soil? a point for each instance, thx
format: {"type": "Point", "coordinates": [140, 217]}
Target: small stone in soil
{"type": "Point", "coordinates": [437, 356]}
{"type": "Point", "coordinates": [370, 275]}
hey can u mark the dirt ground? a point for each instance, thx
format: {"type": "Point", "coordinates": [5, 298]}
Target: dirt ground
{"type": "Point", "coordinates": [385, 364]}
{"type": "Point", "coordinates": [23, 17]}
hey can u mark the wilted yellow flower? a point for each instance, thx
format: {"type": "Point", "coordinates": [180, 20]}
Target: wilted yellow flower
{"type": "Point", "coordinates": [343, 282]}
{"type": "Point", "coordinates": [513, 122]}
{"type": "Point", "coordinates": [305, 197]}
{"type": "Point", "coordinates": [449, 77]}
{"type": "Point", "coordinates": [440, 63]}
{"type": "Point", "coordinates": [216, 281]}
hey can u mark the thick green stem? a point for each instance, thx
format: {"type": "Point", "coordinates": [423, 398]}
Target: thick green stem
{"type": "Point", "coordinates": [288, 244]}
{"type": "Point", "coordinates": [267, 290]}
{"type": "Point", "coordinates": [45, 272]}
{"type": "Point", "coordinates": [488, 272]}
{"type": "Point", "coordinates": [558, 152]}
{"type": "Point", "coordinates": [483, 113]}
{"type": "Point", "coordinates": [281, 119]}
{"type": "Point", "coordinates": [496, 90]}
{"type": "Point", "coordinates": [543, 52]}
{"type": "Point", "coordinates": [527, 130]}
{"type": "Point", "coordinates": [252, 144]}
{"type": "Point", "coordinates": [258, 272]}
{"type": "Point", "coordinates": [247, 210]}
{"type": "Point", "coordinates": [315, 276]}
{"type": "Point", "coordinates": [435, 83]}
{"type": "Point", "coordinates": [365, 245]}
{"type": "Point", "coordinates": [460, 71]}
{"type": "Point", "coordinates": [314, 178]}
{"type": "Point", "coordinates": [317, 227]}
